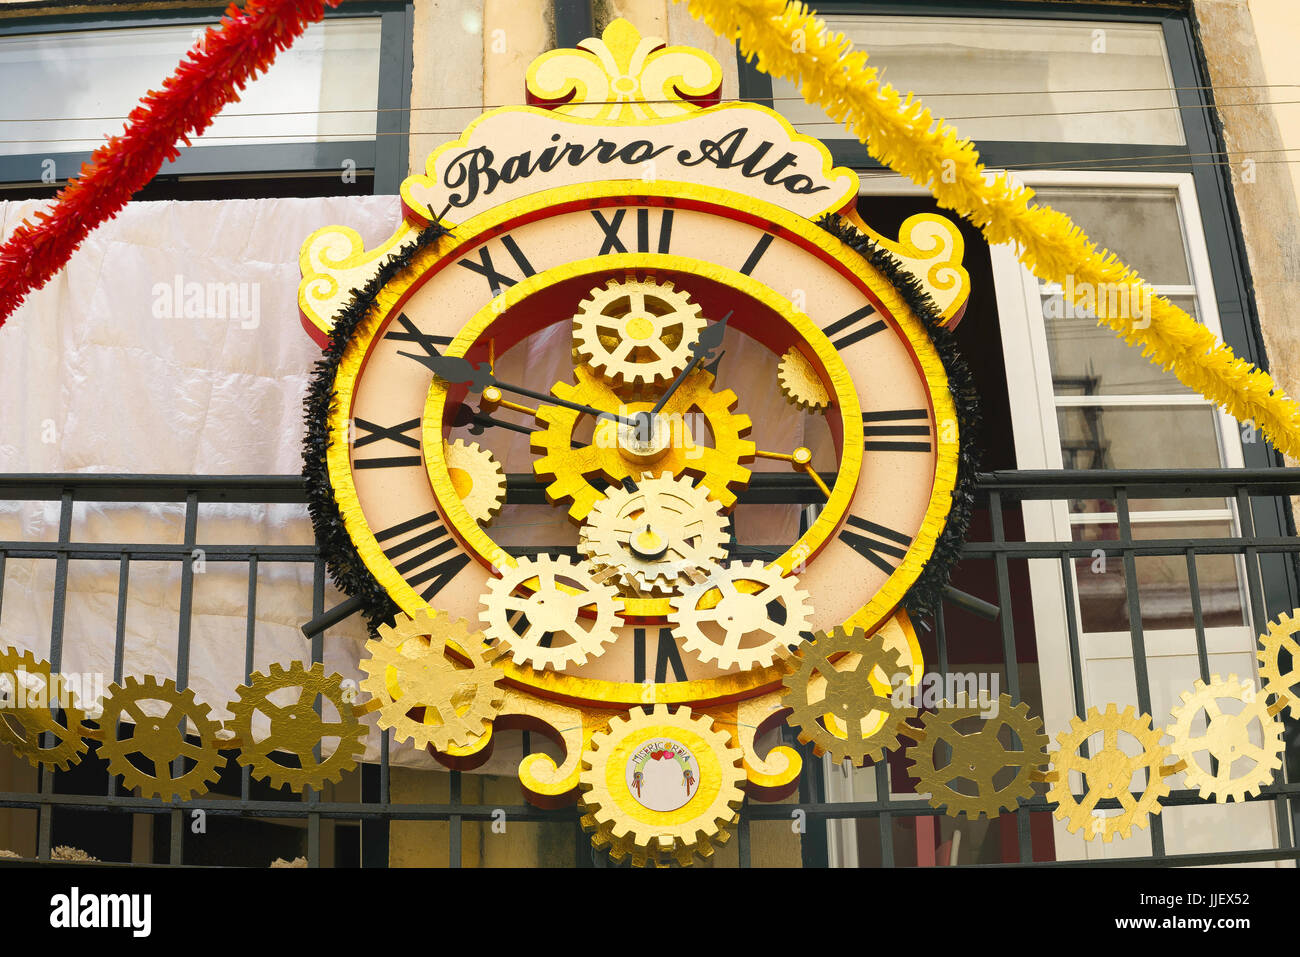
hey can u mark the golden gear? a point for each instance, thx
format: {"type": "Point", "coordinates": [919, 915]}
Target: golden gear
{"type": "Point", "coordinates": [160, 740]}
{"type": "Point", "coordinates": [1108, 773]}
{"type": "Point", "coordinates": [636, 333]}
{"type": "Point", "coordinates": [690, 828]}
{"type": "Point", "coordinates": [296, 728]}
{"type": "Point", "coordinates": [1227, 739]}
{"type": "Point", "coordinates": [570, 464]}
{"type": "Point", "coordinates": [478, 478]}
{"type": "Point", "coordinates": [1281, 636]}
{"type": "Point", "coordinates": [840, 696]}
{"type": "Point", "coordinates": [655, 535]}
{"type": "Point", "coordinates": [978, 757]}
{"type": "Point", "coordinates": [566, 601]}
{"type": "Point", "coordinates": [625, 849]}
{"type": "Point", "coordinates": [432, 680]}
{"type": "Point", "coordinates": [23, 728]}
{"type": "Point", "coordinates": [800, 383]}
{"type": "Point", "coordinates": [714, 616]}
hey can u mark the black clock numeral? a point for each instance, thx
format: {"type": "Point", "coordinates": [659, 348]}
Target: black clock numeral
{"type": "Point", "coordinates": [757, 253]}
{"type": "Point", "coordinates": [416, 542]}
{"type": "Point", "coordinates": [368, 432]}
{"type": "Point", "coordinates": [854, 327]}
{"type": "Point", "coordinates": [884, 431]}
{"type": "Point", "coordinates": [667, 656]}
{"type": "Point", "coordinates": [498, 281]}
{"type": "Point", "coordinates": [407, 331]}
{"type": "Point", "coordinates": [883, 542]}
{"type": "Point", "coordinates": [613, 243]}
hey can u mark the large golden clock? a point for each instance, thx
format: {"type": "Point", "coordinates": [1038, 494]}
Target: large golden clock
{"type": "Point", "coordinates": [648, 439]}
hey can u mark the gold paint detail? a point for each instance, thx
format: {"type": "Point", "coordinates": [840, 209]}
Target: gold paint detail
{"type": "Point", "coordinates": [624, 77]}
{"type": "Point", "coordinates": [296, 728]}
{"type": "Point", "coordinates": [800, 383]}
{"type": "Point", "coordinates": [1109, 772]}
{"type": "Point", "coordinates": [840, 696]}
{"type": "Point", "coordinates": [333, 261]}
{"type": "Point", "coordinates": [688, 528]}
{"type": "Point", "coordinates": [159, 740]}
{"type": "Point", "coordinates": [779, 768]}
{"type": "Point", "coordinates": [714, 799]}
{"type": "Point", "coordinates": [931, 248]}
{"type": "Point", "coordinates": [717, 465]}
{"type": "Point", "coordinates": [479, 479]}
{"type": "Point", "coordinates": [1228, 738]}
{"type": "Point", "coordinates": [547, 612]}
{"type": "Point", "coordinates": [23, 727]}
{"type": "Point", "coordinates": [433, 680]}
{"type": "Point", "coordinates": [636, 333]}
{"type": "Point", "coordinates": [979, 756]}
{"type": "Point", "coordinates": [738, 626]}
{"type": "Point", "coordinates": [1285, 685]}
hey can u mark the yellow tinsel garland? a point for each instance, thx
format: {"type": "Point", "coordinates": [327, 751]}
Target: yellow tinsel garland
{"type": "Point", "coordinates": [792, 43]}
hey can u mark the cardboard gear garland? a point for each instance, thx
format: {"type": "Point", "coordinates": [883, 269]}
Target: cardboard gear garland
{"type": "Point", "coordinates": [1208, 742]}
{"type": "Point", "coordinates": [790, 42]}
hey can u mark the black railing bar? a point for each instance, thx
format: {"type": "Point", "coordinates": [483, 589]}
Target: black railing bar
{"type": "Point", "coordinates": [1140, 483]}
{"type": "Point", "coordinates": [176, 846]}
{"type": "Point", "coordinates": [1168, 860]}
{"type": "Point", "coordinates": [119, 637]}
{"type": "Point", "coordinates": [45, 817]}
{"type": "Point", "coordinates": [102, 551]}
{"type": "Point", "coordinates": [1142, 548]}
{"type": "Point", "coordinates": [289, 489]}
{"type": "Point", "coordinates": [126, 804]}
{"type": "Point", "coordinates": [941, 640]}
{"type": "Point", "coordinates": [454, 853]}
{"type": "Point", "coordinates": [1076, 655]}
{"type": "Point", "coordinates": [742, 842]}
{"type": "Point", "coordinates": [1141, 676]}
{"type": "Point", "coordinates": [1198, 616]}
{"type": "Point", "coordinates": [886, 820]}
{"type": "Point", "coordinates": [3, 557]}
{"type": "Point", "coordinates": [153, 552]}
{"type": "Point", "coordinates": [312, 796]}
{"type": "Point", "coordinates": [328, 619]}
{"type": "Point", "coordinates": [250, 632]}
{"type": "Point", "coordinates": [971, 603]}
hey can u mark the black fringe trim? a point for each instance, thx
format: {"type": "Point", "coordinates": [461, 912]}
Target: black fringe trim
{"type": "Point", "coordinates": [346, 569]}
{"type": "Point", "coordinates": [927, 592]}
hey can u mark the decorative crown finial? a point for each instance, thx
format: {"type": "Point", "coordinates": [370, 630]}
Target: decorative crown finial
{"type": "Point", "coordinates": [622, 75]}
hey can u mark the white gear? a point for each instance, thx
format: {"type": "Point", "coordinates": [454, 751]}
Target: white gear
{"type": "Point", "coordinates": [1227, 739]}
{"type": "Point", "coordinates": [657, 534]}
{"type": "Point", "coordinates": [714, 629]}
{"type": "Point", "coordinates": [479, 479]}
{"type": "Point", "coordinates": [565, 619]}
{"type": "Point", "coordinates": [636, 333]}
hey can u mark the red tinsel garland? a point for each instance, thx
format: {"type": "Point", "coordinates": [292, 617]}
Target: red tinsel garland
{"type": "Point", "coordinates": [226, 57]}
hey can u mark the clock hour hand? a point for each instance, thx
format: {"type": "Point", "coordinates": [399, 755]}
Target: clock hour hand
{"type": "Point", "coordinates": [709, 340]}
{"type": "Point", "coordinates": [456, 370]}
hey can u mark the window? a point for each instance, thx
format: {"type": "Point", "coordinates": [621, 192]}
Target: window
{"type": "Point", "coordinates": [334, 102]}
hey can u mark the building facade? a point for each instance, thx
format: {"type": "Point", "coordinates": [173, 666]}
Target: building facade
{"type": "Point", "coordinates": [1128, 537]}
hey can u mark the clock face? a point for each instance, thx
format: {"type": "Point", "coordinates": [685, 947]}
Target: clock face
{"type": "Point", "coordinates": [689, 502]}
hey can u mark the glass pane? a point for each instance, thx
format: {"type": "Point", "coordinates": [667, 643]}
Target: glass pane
{"type": "Point", "coordinates": [1162, 580]}
{"type": "Point", "coordinates": [79, 86]}
{"type": "Point", "coordinates": [1139, 437]}
{"type": "Point", "coordinates": [1143, 227]}
{"type": "Point", "coordinates": [1050, 81]}
{"type": "Point", "coordinates": [1090, 359]}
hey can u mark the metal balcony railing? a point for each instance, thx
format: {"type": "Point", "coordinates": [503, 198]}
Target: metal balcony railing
{"type": "Point", "coordinates": [1260, 540]}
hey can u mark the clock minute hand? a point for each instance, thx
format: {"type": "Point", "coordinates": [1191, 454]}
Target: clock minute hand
{"type": "Point", "coordinates": [459, 371]}
{"type": "Point", "coordinates": [709, 340]}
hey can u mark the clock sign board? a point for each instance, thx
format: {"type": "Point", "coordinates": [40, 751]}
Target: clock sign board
{"type": "Point", "coordinates": [631, 421]}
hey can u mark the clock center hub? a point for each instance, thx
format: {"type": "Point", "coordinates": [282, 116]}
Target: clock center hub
{"type": "Point", "coordinates": [648, 544]}
{"type": "Point", "coordinates": [643, 441]}
{"type": "Point", "coordinates": [639, 328]}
